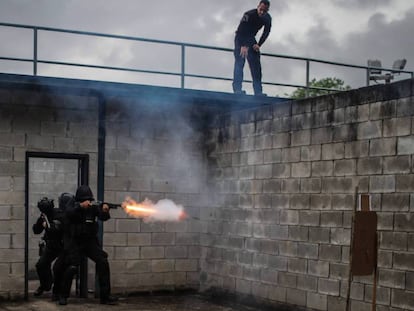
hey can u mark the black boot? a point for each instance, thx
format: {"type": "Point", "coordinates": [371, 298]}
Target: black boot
{"type": "Point", "coordinates": [63, 301]}
{"type": "Point", "coordinates": [110, 300]}
{"type": "Point", "coordinates": [38, 292]}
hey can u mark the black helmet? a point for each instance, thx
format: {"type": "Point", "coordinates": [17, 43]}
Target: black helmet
{"type": "Point", "coordinates": [46, 205]}
{"type": "Point", "coordinates": [64, 199]}
{"type": "Point", "coordinates": [84, 193]}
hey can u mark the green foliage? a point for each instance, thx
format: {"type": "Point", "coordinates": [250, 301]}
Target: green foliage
{"type": "Point", "coordinates": [333, 84]}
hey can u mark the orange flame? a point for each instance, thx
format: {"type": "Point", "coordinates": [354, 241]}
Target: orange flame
{"type": "Point", "coordinates": [133, 208]}
{"type": "Point", "coordinates": [163, 210]}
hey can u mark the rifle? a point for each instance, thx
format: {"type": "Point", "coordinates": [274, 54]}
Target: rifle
{"type": "Point", "coordinates": [98, 204]}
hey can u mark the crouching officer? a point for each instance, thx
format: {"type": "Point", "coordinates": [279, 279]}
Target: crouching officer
{"type": "Point", "coordinates": [51, 223]}
{"type": "Point", "coordinates": [82, 240]}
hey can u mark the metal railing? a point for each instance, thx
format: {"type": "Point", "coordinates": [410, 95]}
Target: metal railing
{"type": "Point", "coordinates": [183, 46]}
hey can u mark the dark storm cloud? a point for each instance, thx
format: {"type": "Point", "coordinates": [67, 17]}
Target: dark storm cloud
{"type": "Point", "coordinates": [354, 4]}
{"type": "Point", "coordinates": [213, 23]}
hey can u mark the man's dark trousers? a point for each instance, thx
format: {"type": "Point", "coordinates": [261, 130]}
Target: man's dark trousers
{"type": "Point", "coordinates": [253, 59]}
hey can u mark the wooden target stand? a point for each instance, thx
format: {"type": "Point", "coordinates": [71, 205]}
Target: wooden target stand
{"type": "Point", "coordinates": [363, 249]}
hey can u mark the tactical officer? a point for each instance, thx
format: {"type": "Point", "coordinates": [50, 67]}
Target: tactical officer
{"type": "Point", "coordinates": [59, 266]}
{"type": "Point", "coordinates": [81, 240]}
{"type": "Point", "coordinates": [51, 223]}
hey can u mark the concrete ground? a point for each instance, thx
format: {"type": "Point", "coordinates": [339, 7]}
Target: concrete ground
{"type": "Point", "coordinates": [193, 302]}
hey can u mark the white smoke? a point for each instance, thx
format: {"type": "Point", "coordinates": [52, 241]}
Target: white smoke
{"type": "Point", "coordinates": [166, 210]}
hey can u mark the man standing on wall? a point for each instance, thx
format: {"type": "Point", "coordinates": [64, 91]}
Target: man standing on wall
{"type": "Point", "coordinates": [246, 46]}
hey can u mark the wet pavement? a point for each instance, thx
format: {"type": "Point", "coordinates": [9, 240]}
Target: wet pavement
{"type": "Point", "coordinates": [193, 302]}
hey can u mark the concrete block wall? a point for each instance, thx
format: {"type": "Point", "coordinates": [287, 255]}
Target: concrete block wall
{"type": "Point", "coordinates": [152, 151]}
{"type": "Point", "coordinates": [155, 151]}
{"type": "Point", "coordinates": [31, 120]}
{"type": "Point", "coordinates": [285, 177]}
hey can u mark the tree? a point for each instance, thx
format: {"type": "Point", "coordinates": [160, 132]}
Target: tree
{"type": "Point", "coordinates": [320, 87]}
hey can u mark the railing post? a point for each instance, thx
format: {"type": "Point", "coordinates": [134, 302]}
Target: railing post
{"type": "Point", "coordinates": [368, 70]}
{"type": "Point", "coordinates": [35, 51]}
{"type": "Point", "coordinates": [182, 65]}
{"type": "Point", "coordinates": [307, 79]}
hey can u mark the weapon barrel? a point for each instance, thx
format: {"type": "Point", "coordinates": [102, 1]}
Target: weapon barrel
{"type": "Point", "coordinates": [111, 205]}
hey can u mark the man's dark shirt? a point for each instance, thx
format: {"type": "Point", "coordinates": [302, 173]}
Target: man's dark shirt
{"type": "Point", "coordinates": [250, 24]}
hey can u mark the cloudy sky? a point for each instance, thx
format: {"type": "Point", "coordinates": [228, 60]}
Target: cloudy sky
{"type": "Point", "coordinates": [345, 31]}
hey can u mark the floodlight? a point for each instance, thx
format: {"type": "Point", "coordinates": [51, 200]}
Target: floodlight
{"type": "Point", "coordinates": [399, 64]}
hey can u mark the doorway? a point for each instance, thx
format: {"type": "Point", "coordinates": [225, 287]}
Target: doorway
{"type": "Point", "coordinates": [49, 175]}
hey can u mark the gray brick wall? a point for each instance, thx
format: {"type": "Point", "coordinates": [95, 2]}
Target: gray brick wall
{"type": "Point", "coordinates": [321, 151]}
{"type": "Point", "coordinates": [269, 191]}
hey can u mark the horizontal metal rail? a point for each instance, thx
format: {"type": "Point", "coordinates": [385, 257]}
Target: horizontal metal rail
{"type": "Point", "coordinates": [182, 74]}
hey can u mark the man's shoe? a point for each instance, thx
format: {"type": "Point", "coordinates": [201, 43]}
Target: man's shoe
{"type": "Point", "coordinates": [241, 92]}
{"type": "Point", "coordinates": [63, 301]}
{"type": "Point", "coordinates": [111, 300]}
{"type": "Point", "coordinates": [38, 292]}
{"type": "Point", "coordinates": [260, 94]}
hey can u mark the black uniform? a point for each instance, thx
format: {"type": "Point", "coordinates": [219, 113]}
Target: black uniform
{"type": "Point", "coordinates": [59, 266]}
{"type": "Point", "coordinates": [249, 25]}
{"type": "Point", "coordinates": [52, 245]}
{"type": "Point", "coordinates": [81, 240]}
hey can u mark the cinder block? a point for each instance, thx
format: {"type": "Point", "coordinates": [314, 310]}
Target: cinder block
{"type": "Point", "coordinates": [383, 110]}
{"type": "Point", "coordinates": [281, 140]}
{"type": "Point", "coordinates": [356, 149]}
{"type": "Point", "coordinates": [395, 202]}
{"type": "Point", "coordinates": [263, 171]}
{"type": "Point", "coordinates": [309, 218]}
{"type": "Point", "coordinates": [382, 184]}
{"type": "Point", "coordinates": [260, 290]}
{"type": "Point", "coordinates": [281, 170]}
{"type": "Point", "coordinates": [404, 261]}
{"type": "Point", "coordinates": [297, 265]}
{"type": "Point", "coordinates": [330, 253]}
{"type": "Point", "coordinates": [397, 127]}
{"type": "Point", "coordinates": [391, 278]}
{"type": "Point", "coordinates": [152, 252]}
{"type": "Point", "coordinates": [176, 252]}
{"type": "Point", "coordinates": [397, 165]}
{"type": "Point", "coordinates": [301, 169]}
{"type": "Point", "coordinates": [308, 250]}
{"type": "Point", "coordinates": [344, 167]}
{"type": "Point", "coordinates": [165, 265]}
{"type": "Point", "coordinates": [272, 156]}
{"type": "Point", "coordinates": [311, 153]}
{"type": "Point", "coordinates": [333, 151]}
{"type": "Point", "coordinates": [277, 293]}
{"type": "Point", "coordinates": [402, 299]}
{"type": "Point", "coordinates": [331, 219]}
{"type": "Point", "coordinates": [298, 233]}
{"type": "Point", "coordinates": [300, 138]}
{"type": "Point", "coordinates": [125, 253]}
{"type": "Point", "coordinates": [307, 283]}
{"type": "Point", "coordinates": [322, 135]}
{"type": "Point", "coordinates": [127, 225]}
{"type": "Point", "coordinates": [405, 145]}
{"type": "Point", "coordinates": [340, 236]}
{"type": "Point", "coordinates": [318, 268]}
{"type": "Point", "coordinates": [322, 168]}
{"type": "Point", "coordinates": [319, 235]}
{"type": "Point", "coordinates": [291, 154]}
{"type": "Point", "coordinates": [289, 217]}
{"type": "Point", "coordinates": [383, 147]}
{"type": "Point", "coordinates": [296, 297]}
{"type": "Point", "coordinates": [369, 130]}
{"type": "Point", "coordinates": [243, 286]}
{"type": "Point", "coordinates": [317, 301]}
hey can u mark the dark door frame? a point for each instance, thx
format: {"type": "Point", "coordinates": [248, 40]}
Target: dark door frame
{"type": "Point", "coordinates": [83, 179]}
